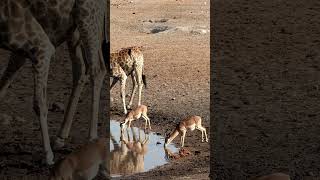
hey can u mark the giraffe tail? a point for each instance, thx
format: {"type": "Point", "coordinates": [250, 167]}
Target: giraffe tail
{"type": "Point", "coordinates": [144, 80]}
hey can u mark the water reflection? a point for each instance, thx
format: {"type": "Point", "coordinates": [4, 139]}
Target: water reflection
{"type": "Point", "coordinates": [134, 151]}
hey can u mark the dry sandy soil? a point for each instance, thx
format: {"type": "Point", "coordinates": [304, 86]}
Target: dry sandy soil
{"type": "Point", "coordinates": [266, 83]}
{"type": "Point", "coordinates": [175, 36]}
{"type": "Point", "coordinates": [177, 70]}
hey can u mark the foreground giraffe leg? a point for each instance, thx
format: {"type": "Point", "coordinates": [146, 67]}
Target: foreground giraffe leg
{"type": "Point", "coordinates": [90, 18]}
{"type": "Point", "coordinates": [41, 69]}
{"type": "Point", "coordinates": [14, 65]}
{"type": "Point", "coordinates": [79, 79]}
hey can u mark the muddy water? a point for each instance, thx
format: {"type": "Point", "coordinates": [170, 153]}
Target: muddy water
{"type": "Point", "coordinates": [134, 154]}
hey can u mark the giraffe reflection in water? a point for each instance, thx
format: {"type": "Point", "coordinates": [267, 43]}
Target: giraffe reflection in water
{"type": "Point", "coordinates": [128, 156]}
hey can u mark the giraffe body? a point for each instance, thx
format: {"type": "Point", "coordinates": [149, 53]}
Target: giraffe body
{"type": "Point", "coordinates": [128, 61]}
{"type": "Point", "coordinates": [33, 29]}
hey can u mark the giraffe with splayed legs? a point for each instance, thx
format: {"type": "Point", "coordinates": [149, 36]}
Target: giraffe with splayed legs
{"type": "Point", "coordinates": [128, 62]}
{"type": "Point", "coordinates": [33, 29]}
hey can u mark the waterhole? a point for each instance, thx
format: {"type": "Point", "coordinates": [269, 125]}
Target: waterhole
{"type": "Point", "coordinates": [134, 151]}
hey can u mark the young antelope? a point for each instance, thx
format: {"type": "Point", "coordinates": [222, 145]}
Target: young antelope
{"type": "Point", "coordinates": [274, 176]}
{"type": "Point", "coordinates": [189, 123]}
{"type": "Point", "coordinates": [140, 111]}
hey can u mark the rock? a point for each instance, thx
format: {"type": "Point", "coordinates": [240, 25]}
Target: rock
{"type": "Point", "coordinates": [197, 152]}
{"type": "Point", "coordinates": [199, 31]}
{"type": "Point", "coordinates": [158, 143]}
{"type": "Point", "coordinates": [173, 99]}
{"type": "Point", "coordinates": [184, 152]}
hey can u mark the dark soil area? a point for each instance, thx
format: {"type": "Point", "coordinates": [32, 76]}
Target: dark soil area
{"type": "Point", "coordinates": [266, 88]}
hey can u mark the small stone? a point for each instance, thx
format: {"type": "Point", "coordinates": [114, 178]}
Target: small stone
{"type": "Point", "coordinates": [173, 99]}
{"type": "Point", "coordinates": [197, 152]}
{"type": "Point", "coordinates": [158, 142]}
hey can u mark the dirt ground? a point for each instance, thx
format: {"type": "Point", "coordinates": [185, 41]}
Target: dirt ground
{"type": "Point", "coordinates": [175, 35]}
{"type": "Point", "coordinates": [266, 88]}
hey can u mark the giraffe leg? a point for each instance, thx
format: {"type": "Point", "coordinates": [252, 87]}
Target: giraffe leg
{"type": "Point", "coordinates": [90, 19]}
{"type": "Point", "coordinates": [134, 88]}
{"type": "Point", "coordinates": [36, 45]}
{"type": "Point", "coordinates": [40, 99]}
{"type": "Point", "coordinates": [41, 57]}
{"type": "Point", "coordinates": [79, 79]}
{"type": "Point", "coordinates": [14, 65]}
{"type": "Point", "coordinates": [138, 73]}
{"type": "Point", "coordinates": [97, 81]}
{"type": "Point", "coordinates": [114, 82]}
{"type": "Point", "coordinates": [123, 91]}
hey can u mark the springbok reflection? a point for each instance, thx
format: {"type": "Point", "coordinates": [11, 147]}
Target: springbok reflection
{"type": "Point", "coordinates": [128, 157]}
{"type": "Point", "coordinates": [134, 151]}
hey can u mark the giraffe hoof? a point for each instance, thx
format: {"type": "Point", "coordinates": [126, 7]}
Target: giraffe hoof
{"type": "Point", "coordinates": [59, 143]}
{"type": "Point", "coordinates": [93, 138]}
{"type": "Point", "coordinates": [49, 158]}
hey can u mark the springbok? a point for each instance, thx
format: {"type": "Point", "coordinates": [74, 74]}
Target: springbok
{"type": "Point", "coordinates": [83, 164]}
{"type": "Point", "coordinates": [274, 176]}
{"type": "Point", "coordinates": [140, 111]}
{"type": "Point", "coordinates": [189, 123]}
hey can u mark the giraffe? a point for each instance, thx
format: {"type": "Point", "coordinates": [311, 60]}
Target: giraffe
{"type": "Point", "coordinates": [32, 30]}
{"type": "Point", "coordinates": [128, 61]}
{"type": "Point", "coordinates": [128, 157]}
